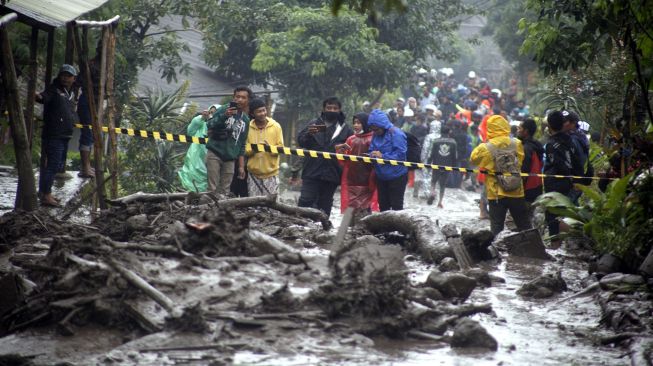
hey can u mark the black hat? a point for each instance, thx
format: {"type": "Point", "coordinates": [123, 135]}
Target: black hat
{"type": "Point", "coordinates": [255, 104]}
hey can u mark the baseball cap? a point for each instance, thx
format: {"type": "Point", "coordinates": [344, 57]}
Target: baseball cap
{"type": "Point", "coordinates": [70, 69]}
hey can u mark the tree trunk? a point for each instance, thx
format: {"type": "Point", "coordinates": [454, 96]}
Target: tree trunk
{"type": "Point", "coordinates": [111, 112]}
{"type": "Point", "coordinates": [427, 239]}
{"type": "Point", "coordinates": [26, 194]}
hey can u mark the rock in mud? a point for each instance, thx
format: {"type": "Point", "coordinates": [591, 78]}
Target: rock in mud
{"type": "Point", "coordinates": [482, 277]}
{"type": "Point", "coordinates": [615, 281]}
{"type": "Point", "coordinates": [450, 231]}
{"type": "Point", "coordinates": [607, 264]}
{"type": "Point", "coordinates": [469, 333]}
{"type": "Point", "coordinates": [543, 286]}
{"type": "Point", "coordinates": [478, 243]}
{"type": "Point", "coordinates": [452, 285]}
{"type": "Point", "coordinates": [370, 259]}
{"type": "Point", "coordinates": [527, 243]}
{"type": "Point", "coordinates": [448, 264]}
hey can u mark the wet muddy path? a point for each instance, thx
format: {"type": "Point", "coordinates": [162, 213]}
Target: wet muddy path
{"type": "Point", "coordinates": [528, 331]}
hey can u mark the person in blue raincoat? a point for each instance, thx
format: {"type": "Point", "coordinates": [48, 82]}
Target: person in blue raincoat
{"type": "Point", "coordinates": [193, 174]}
{"type": "Point", "coordinates": [389, 142]}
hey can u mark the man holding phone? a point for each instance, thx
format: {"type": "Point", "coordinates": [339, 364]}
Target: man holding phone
{"type": "Point", "coordinates": [227, 132]}
{"type": "Point", "coordinates": [321, 177]}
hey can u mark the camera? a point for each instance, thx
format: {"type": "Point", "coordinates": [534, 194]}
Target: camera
{"type": "Point", "coordinates": [233, 104]}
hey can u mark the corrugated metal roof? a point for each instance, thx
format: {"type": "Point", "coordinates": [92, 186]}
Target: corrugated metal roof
{"type": "Point", "coordinates": [54, 12]}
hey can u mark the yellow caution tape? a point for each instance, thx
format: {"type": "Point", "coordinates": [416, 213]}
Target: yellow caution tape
{"type": "Point", "coordinates": [322, 154]}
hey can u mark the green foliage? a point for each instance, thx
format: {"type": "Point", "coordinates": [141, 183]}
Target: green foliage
{"type": "Point", "coordinates": [616, 220]}
{"type": "Point", "coordinates": [425, 28]}
{"type": "Point", "coordinates": [502, 19]}
{"type": "Point", "coordinates": [574, 34]}
{"type": "Point", "coordinates": [319, 55]}
{"type": "Point", "coordinates": [149, 165]}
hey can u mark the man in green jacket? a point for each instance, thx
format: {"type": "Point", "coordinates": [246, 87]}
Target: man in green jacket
{"type": "Point", "coordinates": [227, 131]}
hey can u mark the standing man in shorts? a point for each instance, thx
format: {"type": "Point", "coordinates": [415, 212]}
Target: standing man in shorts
{"type": "Point", "coordinates": [444, 153]}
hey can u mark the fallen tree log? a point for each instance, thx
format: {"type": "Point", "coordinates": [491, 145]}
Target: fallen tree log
{"type": "Point", "coordinates": [136, 281]}
{"type": "Point", "coordinates": [267, 244]}
{"type": "Point", "coordinates": [149, 197]}
{"type": "Point", "coordinates": [270, 201]}
{"type": "Point", "coordinates": [427, 239]}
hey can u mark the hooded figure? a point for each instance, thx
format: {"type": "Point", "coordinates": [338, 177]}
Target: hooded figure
{"type": "Point", "coordinates": [498, 134]}
{"type": "Point", "coordinates": [500, 201]}
{"type": "Point", "coordinates": [358, 185]}
{"type": "Point", "coordinates": [193, 173]}
{"type": "Point", "coordinates": [390, 143]}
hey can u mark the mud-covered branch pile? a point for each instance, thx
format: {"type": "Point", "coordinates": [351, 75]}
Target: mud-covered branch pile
{"type": "Point", "coordinates": [225, 269]}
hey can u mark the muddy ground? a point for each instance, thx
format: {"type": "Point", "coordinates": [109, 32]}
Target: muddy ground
{"type": "Point", "coordinates": [193, 280]}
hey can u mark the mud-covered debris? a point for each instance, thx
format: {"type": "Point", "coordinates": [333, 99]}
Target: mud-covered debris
{"type": "Point", "coordinates": [478, 243]}
{"type": "Point", "coordinates": [192, 319]}
{"type": "Point", "coordinates": [527, 243]}
{"type": "Point", "coordinates": [448, 264]}
{"type": "Point", "coordinates": [367, 281]}
{"type": "Point", "coordinates": [482, 277]}
{"type": "Point", "coordinates": [280, 300]}
{"type": "Point", "coordinates": [543, 286]}
{"type": "Point", "coordinates": [469, 333]}
{"type": "Point", "coordinates": [452, 285]}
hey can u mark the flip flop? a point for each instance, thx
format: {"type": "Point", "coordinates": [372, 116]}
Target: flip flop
{"type": "Point", "coordinates": [50, 204]}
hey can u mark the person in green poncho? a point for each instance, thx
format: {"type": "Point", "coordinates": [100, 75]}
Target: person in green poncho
{"type": "Point", "coordinates": [193, 174]}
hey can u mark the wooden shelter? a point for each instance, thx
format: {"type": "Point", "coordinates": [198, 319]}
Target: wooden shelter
{"type": "Point", "coordinates": [47, 16]}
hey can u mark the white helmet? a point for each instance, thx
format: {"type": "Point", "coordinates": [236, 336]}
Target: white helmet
{"type": "Point", "coordinates": [497, 92]}
{"type": "Point", "coordinates": [471, 75]}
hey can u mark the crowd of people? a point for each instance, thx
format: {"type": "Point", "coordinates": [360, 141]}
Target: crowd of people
{"type": "Point", "coordinates": [463, 125]}
{"type": "Point", "coordinates": [466, 126]}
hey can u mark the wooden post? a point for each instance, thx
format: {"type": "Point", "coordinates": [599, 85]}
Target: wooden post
{"type": "Point", "coordinates": [26, 192]}
{"type": "Point", "coordinates": [98, 122]}
{"type": "Point", "coordinates": [82, 51]}
{"type": "Point", "coordinates": [49, 57]}
{"type": "Point", "coordinates": [111, 111]}
{"type": "Point", "coordinates": [69, 55]}
{"type": "Point", "coordinates": [31, 83]}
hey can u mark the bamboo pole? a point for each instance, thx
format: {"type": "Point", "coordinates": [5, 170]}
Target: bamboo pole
{"type": "Point", "coordinates": [31, 84]}
{"type": "Point", "coordinates": [97, 123]}
{"type": "Point", "coordinates": [49, 58]}
{"type": "Point", "coordinates": [26, 192]}
{"type": "Point", "coordinates": [69, 55]}
{"type": "Point", "coordinates": [81, 47]}
{"type": "Point", "coordinates": [113, 160]}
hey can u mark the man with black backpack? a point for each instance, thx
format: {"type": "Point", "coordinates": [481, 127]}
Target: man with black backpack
{"type": "Point", "coordinates": [502, 154]}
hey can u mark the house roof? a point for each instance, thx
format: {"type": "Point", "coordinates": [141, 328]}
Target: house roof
{"type": "Point", "coordinates": [206, 87]}
{"type": "Point", "coordinates": [55, 13]}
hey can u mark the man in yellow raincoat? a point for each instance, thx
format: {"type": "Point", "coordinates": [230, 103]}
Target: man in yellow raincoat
{"type": "Point", "coordinates": [501, 200]}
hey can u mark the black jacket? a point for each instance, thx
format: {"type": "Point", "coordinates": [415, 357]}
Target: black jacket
{"type": "Point", "coordinates": [560, 158]}
{"type": "Point", "coordinates": [320, 168]}
{"type": "Point", "coordinates": [59, 111]}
